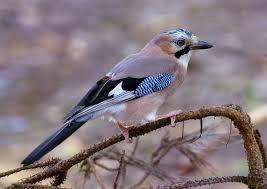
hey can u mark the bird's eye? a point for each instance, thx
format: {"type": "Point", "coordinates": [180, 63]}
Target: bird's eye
{"type": "Point", "coordinates": [180, 42]}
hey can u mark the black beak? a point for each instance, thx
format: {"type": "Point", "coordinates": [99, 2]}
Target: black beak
{"type": "Point", "coordinates": [200, 45]}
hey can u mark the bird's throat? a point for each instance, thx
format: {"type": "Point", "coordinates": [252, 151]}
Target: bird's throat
{"type": "Point", "coordinates": [184, 59]}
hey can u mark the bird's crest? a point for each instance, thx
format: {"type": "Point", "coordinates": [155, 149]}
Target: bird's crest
{"type": "Point", "coordinates": [181, 30]}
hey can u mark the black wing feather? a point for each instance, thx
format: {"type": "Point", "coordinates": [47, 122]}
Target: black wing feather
{"type": "Point", "coordinates": [100, 92]}
{"type": "Point", "coordinates": [90, 96]}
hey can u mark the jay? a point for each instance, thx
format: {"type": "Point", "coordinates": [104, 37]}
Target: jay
{"type": "Point", "coordinates": [133, 90]}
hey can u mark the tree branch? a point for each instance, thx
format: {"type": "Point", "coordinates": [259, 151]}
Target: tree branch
{"type": "Point", "coordinates": [31, 186]}
{"type": "Point", "coordinates": [240, 119]}
{"type": "Point", "coordinates": [203, 182]}
{"type": "Point", "coordinates": [43, 164]}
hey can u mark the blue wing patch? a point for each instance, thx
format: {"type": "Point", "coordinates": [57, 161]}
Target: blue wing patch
{"type": "Point", "coordinates": [153, 84]}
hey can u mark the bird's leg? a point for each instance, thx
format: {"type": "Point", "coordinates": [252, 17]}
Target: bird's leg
{"type": "Point", "coordinates": [125, 132]}
{"type": "Point", "coordinates": [172, 115]}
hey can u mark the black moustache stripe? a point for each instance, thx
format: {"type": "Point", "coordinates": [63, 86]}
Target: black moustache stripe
{"type": "Point", "coordinates": [180, 53]}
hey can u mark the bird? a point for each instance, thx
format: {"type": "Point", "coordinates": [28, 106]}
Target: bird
{"type": "Point", "coordinates": [133, 90]}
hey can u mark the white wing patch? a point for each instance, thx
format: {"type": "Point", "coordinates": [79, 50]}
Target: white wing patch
{"type": "Point", "coordinates": [117, 90]}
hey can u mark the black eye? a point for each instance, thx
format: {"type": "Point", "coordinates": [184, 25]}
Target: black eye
{"type": "Point", "coordinates": [180, 42]}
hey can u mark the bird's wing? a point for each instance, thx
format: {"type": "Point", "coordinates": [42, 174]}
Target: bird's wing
{"type": "Point", "coordinates": [141, 65]}
{"type": "Point", "coordinates": [127, 89]}
{"type": "Point", "coordinates": [123, 83]}
{"type": "Point", "coordinates": [102, 93]}
{"type": "Point", "coordinates": [88, 99]}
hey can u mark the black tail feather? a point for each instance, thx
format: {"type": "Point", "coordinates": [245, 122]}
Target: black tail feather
{"type": "Point", "coordinates": [52, 141]}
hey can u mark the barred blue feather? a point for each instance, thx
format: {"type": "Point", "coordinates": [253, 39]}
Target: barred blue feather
{"type": "Point", "coordinates": [153, 84]}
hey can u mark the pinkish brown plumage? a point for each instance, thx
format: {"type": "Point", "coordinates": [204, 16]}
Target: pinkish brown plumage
{"type": "Point", "coordinates": [134, 89]}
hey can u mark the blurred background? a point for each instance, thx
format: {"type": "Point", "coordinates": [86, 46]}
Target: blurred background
{"type": "Point", "coordinates": [51, 52]}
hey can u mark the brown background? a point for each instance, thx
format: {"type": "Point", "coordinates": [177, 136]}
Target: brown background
{"type": "Point", "coordinates": [51, 52]}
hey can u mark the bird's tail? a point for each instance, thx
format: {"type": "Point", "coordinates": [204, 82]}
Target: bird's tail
{"type": "Point", "coordinates": [74, 123]}
{"type": "Point", "coordinates": [52, 141]}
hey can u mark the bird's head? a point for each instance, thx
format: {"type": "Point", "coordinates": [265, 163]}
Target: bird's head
{"type": "Point", "coordinates": [179, 43]}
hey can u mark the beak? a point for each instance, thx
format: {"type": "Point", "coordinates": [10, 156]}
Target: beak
{"type": "Point", "coordinates": [200, 45]}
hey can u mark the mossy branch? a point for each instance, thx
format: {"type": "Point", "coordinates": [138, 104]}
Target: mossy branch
{"type": "Point", "coordinates": [203, 182]}
{"type": "Point", "coordinates": [240, 119]}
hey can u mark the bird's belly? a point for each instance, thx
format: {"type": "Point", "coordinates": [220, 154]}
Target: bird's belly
{"type": "Point", "coordinates": [136, 112]}
{"type": "Point", "coordinates": [112, 113]}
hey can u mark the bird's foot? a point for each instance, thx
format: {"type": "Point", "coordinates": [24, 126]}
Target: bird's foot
{"type": "Point", "coordinates": [172, 115]}
{"type": "Point", "coordinates": [125, 132]}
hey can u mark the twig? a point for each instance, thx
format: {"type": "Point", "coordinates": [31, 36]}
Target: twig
{"type": "Point", "coordinates": [44, 164]}
{"type": "Point", "coordinates": [183, 130]}
{"type": "Point", "coordinates": [123, 175]}
{"type": "Point", "coordinates": [133, 161]}
{"type": "Point", "coordinates": [210, 142]}
{"type": "Point", "coordinates": [105, 167]}
{"type": "Point", "coordinates": [124, 166]}
{"type": "Point", "coordinates": [135, 146]}
{"type": "Point", "coordinates": [203, 182]}
{"type": "Point", "coordinates": [115, 185]}
{"type": "Point", "coordinates": [59, 179]}
{"type": "Point", "coordinates": [100, 183]}
{"type": "Point", "coordinates": [141, 181]}
{"type": "Point", "coordinates": [229, 137]}
{"type": "Point", "coordinates": [196, 161]}
{"type": "Point", "coordinates": [166, 145]}
{"type": "Point", "coordinates": [261, 146]}
{"type": "Point", "coordinates": [201, 127]}
{"type": "Point", "coordinates": [31, 186]}
{"type": "Point", "coordinates": [86, 169]}
{"type": "Point", "coordinates": [160, 152]}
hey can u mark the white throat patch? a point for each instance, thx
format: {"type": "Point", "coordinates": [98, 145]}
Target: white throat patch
{"type": "Point", "coordinates": [184, 59]}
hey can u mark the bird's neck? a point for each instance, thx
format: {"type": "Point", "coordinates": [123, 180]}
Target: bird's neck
{"type": "Point", "coordinates": [153, 49]}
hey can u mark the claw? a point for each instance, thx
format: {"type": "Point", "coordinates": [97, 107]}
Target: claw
{"type": "Point", "coordinates": [173, 124]}
{"type": "Point", "coordinates": [172, 116]}
{"type": "Point", "coordinates": [125, 132]}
